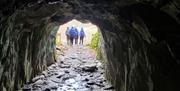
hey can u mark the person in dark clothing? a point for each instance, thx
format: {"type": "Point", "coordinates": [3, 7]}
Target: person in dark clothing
{"type": "Point", "coordinates": [81, 35]}
{"type": "Point", "coordinates": [68, 36]}
{"type": "Point", "coordinates": [71, 33]}
{"type": "Point", "coordinates": [76, 35]}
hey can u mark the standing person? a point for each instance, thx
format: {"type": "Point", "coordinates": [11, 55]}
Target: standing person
{"type": "Point", "coordinates": [71, 33]}
{"type": "Point", "coordinates": [68, 35]}
{"type": "Point", "coordinates": [76, 35]}
{"type": "Point", "coordinates": [81, 34]}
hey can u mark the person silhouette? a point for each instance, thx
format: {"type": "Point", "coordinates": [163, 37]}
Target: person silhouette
{"type": "Point", "coordinates": [68, 35]}
{"type": "Point", "coordinates": [71, 33]}
{"type": "Point", "coordinates": [81, 35]}
{"type": "Point", "coordinates": [76, 35]}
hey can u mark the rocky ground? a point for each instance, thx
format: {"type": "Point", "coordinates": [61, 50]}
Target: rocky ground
{"type": "Point", "coordinates": [77, 69]}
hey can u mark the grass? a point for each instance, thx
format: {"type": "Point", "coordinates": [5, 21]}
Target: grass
{"type": "Point", "coordinates": [95, 44]}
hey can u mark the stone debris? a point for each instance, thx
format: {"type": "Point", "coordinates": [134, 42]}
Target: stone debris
{"type": "Point", "coordinates": [79, 71]}
{"type": "Point", "coordinates": [89, 68]}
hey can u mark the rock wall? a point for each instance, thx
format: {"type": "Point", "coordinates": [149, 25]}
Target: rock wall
{"type": "Point", "coordinates": [135, 62]}
{"type": "Point", "coordinates": [26, 46]}
{"type": "Point", "coordinates": [138, 54]}
{"type": "Point", "coordinates": [140, 43]}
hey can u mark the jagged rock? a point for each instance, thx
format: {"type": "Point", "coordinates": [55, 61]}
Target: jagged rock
{"type": "Point", "coordinates": [60, 76]}
{"type": "Point", "coordinates": [109, 88]}
{"type": "Point", "coordinates": [45, 73]}
{"type": "Point", "coordinates": [47, 89]}
{"type": "Point", "coordinates": [100, 85]}
{"type": "Point", "coordinates": [66, 77]}
{"type": "Point", "coordinates": [53, 85]}
{"type": "Point", "coordinates": [70, 81]}
{"type": "Point", "coordinates": [66, 71]}
{"type": "Point", "coordinates": [86, 79]}
{"type": "Point", "coordinates": [91, 75]}
{"type": "Point", "coordinates": [39, 82]}
{"type": "Point", "coordinates": [37, 78]}
{"type": "Point", "coordinates": [89, 68]}
{"type": "Point", "coordinates": [55, 79]}
{"type": "Point", "coordinates": [27, 87]}
{"type": "Point", "coordinates": [91, 83]}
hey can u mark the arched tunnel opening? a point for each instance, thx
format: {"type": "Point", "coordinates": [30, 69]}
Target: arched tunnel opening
{"type": "Point", "coordinates": [88, 32]}
{"type": "Point", "coordinates": [139, 40]}
{"type": "Point", "coordinates": [78, 65]}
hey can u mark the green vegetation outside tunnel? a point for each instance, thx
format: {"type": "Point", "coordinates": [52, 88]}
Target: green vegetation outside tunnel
{"type": "Point", "coordinates": [95, 44]}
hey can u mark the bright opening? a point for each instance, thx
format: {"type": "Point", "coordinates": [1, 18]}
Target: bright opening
{"type": "Point", "coordinates": [89, 30]}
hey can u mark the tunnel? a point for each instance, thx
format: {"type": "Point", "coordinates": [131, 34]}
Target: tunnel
{"type": "Point", "coordinates": [139, 40]}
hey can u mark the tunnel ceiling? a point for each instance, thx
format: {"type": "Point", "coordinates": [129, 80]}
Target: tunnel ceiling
{"type": "Point", "coordinates": [146, 30]}
{"type": "Point", "coordinates": [162, 24]}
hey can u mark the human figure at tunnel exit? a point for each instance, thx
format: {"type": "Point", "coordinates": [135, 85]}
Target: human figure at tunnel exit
{"type": "Point", "coordinates": [68, 35]}
{"type": "Point", "coordinates": [81, 35]}
{"type": "Point", "coordinates": [71, 33]}
{"type": "Point", "coordinates": [76, 35]}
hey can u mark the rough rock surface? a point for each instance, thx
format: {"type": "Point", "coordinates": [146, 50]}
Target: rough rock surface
{"type": "Point", "coordinates": [78, 71]}
{"type": "Point", "coordinates": [140, 40]}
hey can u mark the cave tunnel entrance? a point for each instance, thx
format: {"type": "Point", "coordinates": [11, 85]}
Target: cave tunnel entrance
{"type": "Point", "coordinates": [135, 61]}
{"type": "Point", "coordinates": [78, 67]}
